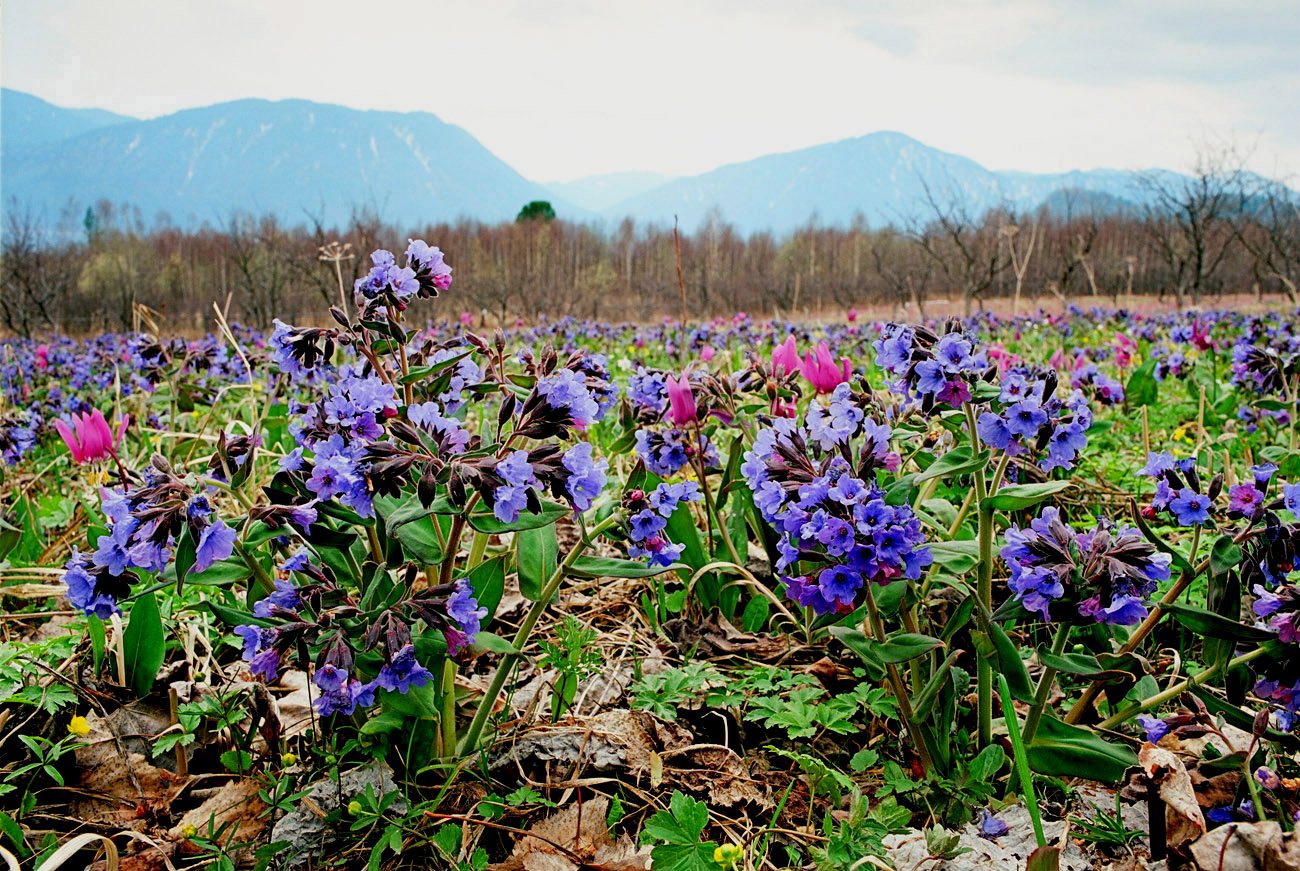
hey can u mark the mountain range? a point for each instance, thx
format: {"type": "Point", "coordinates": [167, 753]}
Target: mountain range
{"type": "Point", "coordinates": [305, 161]}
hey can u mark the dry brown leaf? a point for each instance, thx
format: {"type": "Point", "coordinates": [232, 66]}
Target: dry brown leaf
{"type": "Point", "coordinates": [236, 803]}
{"type": "Point", "coordinates": [573, 838]}
{"type": "Point", "coordinates": [1248, 847]}
{"type": "Point", "coordinates": [1183, 818]}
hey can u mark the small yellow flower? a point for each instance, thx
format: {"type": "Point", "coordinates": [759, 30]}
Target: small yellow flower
{"type": "Point", "coordinates": [288, 760]}
{"type": "Point", "coordinates": [1180, 433]}
{"type": "Point", "coordinates": [354, 807]}
{"type": "Point", "coordinates": [79, 727]}
{"type": "Point", "coordinates": [728, 855]}
{"type": "Point", "coordinates": [188, 830]}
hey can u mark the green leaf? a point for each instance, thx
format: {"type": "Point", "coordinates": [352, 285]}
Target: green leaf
{"type": "Point", "coordinates": [905, 646]}
{"type": "Point", "coordinates": [1142, 388]}
{"type": "Point", "coordinates": [1225, 555]}
{"type": "Point", "coordinates": [1019, 496]}
{"type": "Point", "coordinates": [142, 644]}
{"type": "Point", "coordinates": [95, 628]}
{"type": "Point", "coordinates": [488, 581]}
{"type": "Point", "coordinates": [1210, 625]}
{"type": "Point", "coordinates": [494, 643]}
{"type": "Point", "coordinates": [10, 535]}
{"type": "Point", "coordinates": [682, 530]}
{"type": "Point", "coordinates": [957, 557]}
{"type": "Point", "coordinates": [537, 554]}
{"type": "Point", "coordinates": [1062, 750]}
{"type": "Point", "coordinates": [486, 521]}
{"type": "Point", "coordinates": [1010, 663]}
{"type": "Point", "coordinates": [682, 824]}
{"type": "Point", "coordinates": [613, 567]}
{"type": "Point", "coordinates": [958, 461]}
{"type": "Point", "coordinates": [185, 554]}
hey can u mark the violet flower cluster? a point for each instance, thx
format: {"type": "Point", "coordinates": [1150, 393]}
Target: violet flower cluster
{"type": "Point", "coordinates": [936, 369]}
{"type": "Point", "coordinates": [1033, 419]}
{"type": "Point", "coordinates": [1105, 574]}
{"type": "Point", "coordinates": [145, 524]}
{"type": "Point", "coordinates": [837, 531]}
{"type": "Point", "coordinates": [648, 515]}
{"type": "Point", "coordinates": [1179, 492]}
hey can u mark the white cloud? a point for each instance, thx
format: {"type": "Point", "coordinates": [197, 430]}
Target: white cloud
{"type": "Point", "coordinates": [565, 89]}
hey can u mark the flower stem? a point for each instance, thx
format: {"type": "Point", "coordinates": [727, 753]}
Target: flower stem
{"type": "Point", "coordinates": [896, 685]}
{"type": "Point", "coordinates": [1021, 760]}
{"type": "Point", "coordinates": [470, 741]}
{"type": "Point", "coordinates": [447, 726]}
{"type": "Point", "coordinates": [1045, 684]}
{"type": "Point", "coordinates": [1177, 690]}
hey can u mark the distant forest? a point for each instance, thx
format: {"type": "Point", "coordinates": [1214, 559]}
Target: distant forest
{"type": "Point", "coordinates": [1201, 237]}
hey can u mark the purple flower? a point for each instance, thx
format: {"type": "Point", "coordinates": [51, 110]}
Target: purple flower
{"type": "Point", "coordinates": [992, 828]}
{"type": "Point", "coordinates": [1154, 727]}
{"type": "Point", "coordinates": [465, 610]}
{"type": "Point", "coordinates": [284, 597]}
{"type": "Point", "coordinates": [341, 693]}
{"type": "Point", "coordinates": [403, 672]}
{"type": "Point", "coordinates": [586, 476]}
{"type": "Point", "coordinates": [1191, 508]}
{"type": "Point", "coordinates": [216, 542]}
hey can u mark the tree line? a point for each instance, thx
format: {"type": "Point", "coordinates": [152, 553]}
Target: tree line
{"type": "Point", "coordinates": [1213, 233]}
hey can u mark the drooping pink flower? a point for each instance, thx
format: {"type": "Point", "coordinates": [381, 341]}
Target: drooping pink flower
{"type": "Point", "coordinates": [1057, 359]}
{"type": "Point", "coordinates": [821, 370]}
{"type": "Point", "coordinates": [681, 401]}
{"type": "Point", "coordinates": [853, 315]}
{"type": "Point", "coordinates": [1125, 348]}
{"type": "Point", "coordinates": [466, 318]}
{"type": "Point", "coordinates": [90, 438]}
{"type": "Point", "coordinates": [706, 353]}
{"type": "Point", "coordinates": [42, 356]}
{"type": "Point", "coordinates": [784, 409]}
{"type": "Point", "coordinates": [785, 357]}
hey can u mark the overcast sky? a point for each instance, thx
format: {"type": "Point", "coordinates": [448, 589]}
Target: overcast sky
{"type": "Point", "coordinates": [565, 88]}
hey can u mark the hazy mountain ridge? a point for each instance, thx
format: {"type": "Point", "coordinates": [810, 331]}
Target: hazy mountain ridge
{"type": "Point", "coordinates": [297, 159]}
{"type": "Point", "coordinates": [306, 161]}
{"type": "Point", "coordinates": [27, 121]}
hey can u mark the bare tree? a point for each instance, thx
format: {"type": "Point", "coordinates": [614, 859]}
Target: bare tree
{"type": "Point", "coordinates": [1269, 229]}
{"type": "Point", "coordinates": [38, 272]}
{"type": "Point", "coordinates": [1188, 220]}
{"type": "Point", "coordinates": [967, 251]}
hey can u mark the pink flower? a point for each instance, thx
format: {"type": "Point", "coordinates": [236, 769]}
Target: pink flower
{"type": "Point", "coordinates": [93, 438]}
{"type": "Point", "coordinates": [706, 353]}
{"type": "Point", "coordinates": [785, 358]}
{"type": "Point", "coordinates": [821, 371]}
{"type": "Point", "coordinates": [466, 318]}
{"type": "Point", "coordinates": [1058, 359]}
{"type": "Point", "coordinates": [42, 356]}
{"type": "Point", "coordinates": [784, 409]}
{"type": "Point", "coordinates": [853, 315]}
{"type": "Point", "coordinates": [1124, 350]}
{"type": "Point", "coordinates": [681, 401]}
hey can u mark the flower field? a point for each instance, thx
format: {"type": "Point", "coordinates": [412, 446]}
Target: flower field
{"type": "Point", "coordinates": [384, 592]}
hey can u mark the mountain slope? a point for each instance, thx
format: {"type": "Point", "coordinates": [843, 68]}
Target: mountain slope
{"type": "Point", "coordinates": [293, 158]}
{"type": "Point", "coordinates": [599, 192]}
{"type": "Point", "coordinates": [886, 177]}
{"type": "Point", "coordinates": [26, 121]}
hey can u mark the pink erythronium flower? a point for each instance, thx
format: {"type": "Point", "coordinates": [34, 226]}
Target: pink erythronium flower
{"type": "Point", "coordinates": [681, 401]}
{"type": "Point", "coordinates": [706, 353]}
{"type": "Point", "coordinates": [822, 372]}
{"type": "Point", "coordinates": [785, 357]}
{"type": "Point", "coordinates": [90, 438]}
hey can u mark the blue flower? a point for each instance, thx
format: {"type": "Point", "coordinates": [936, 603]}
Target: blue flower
{"type": "Point", "coordinates": [216, 542]}
{"type": "Point", "coordinates": [586, 476]}
{"type": "Point", "coordinates": [403, 672]}
{"type": "Point", "coordinates": [1191, 508]}
{"type": "Point", "coordinates": [1155, 727]}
